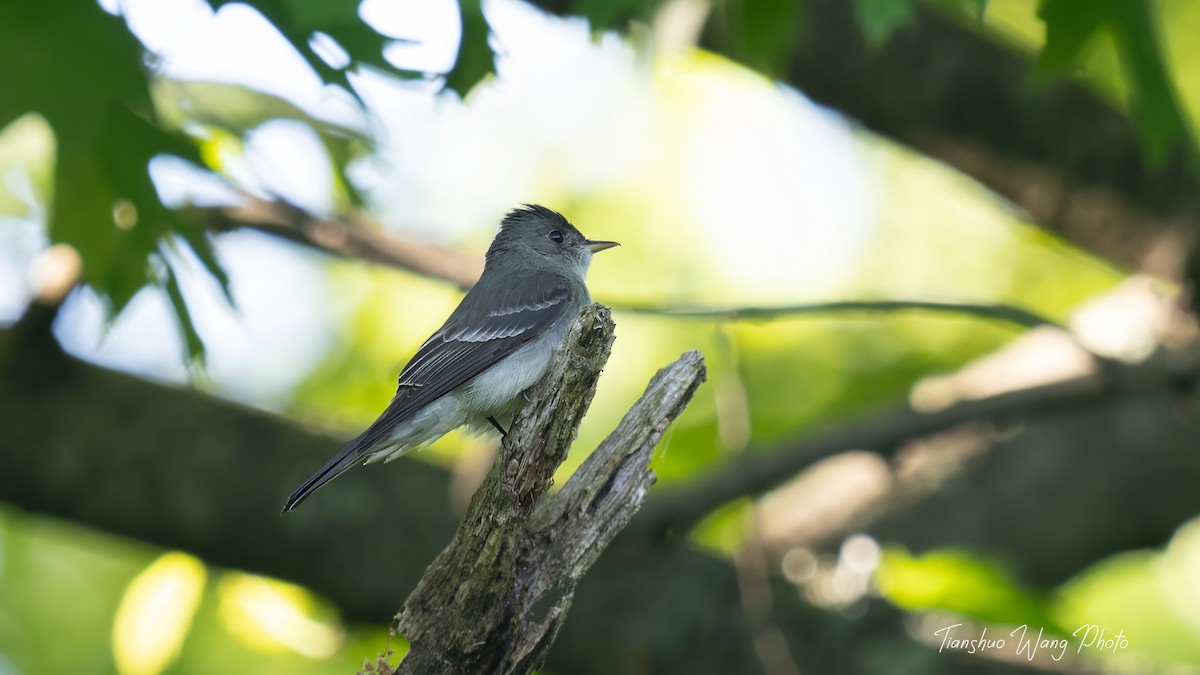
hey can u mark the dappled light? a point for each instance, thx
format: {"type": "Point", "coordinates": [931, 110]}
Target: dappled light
{"type": "Point", "coordinates": [935, 262]}
{"type": "Point", "coordinates": [271, 615]}
{"type": "Point", "coordinates": [153, 618]}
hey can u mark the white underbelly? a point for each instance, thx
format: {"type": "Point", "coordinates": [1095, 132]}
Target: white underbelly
{"type": "Point", "coordinates": [496, 389]}
{"type": "Point", "coordinates": [495, 392]}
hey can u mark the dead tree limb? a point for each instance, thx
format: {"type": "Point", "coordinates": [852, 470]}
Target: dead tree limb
{"type": "Point", "coordinates": [494, 599]}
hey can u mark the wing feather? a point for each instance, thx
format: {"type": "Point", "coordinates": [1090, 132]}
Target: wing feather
{"type": "Point", "coordinates": [462, 349]}
{"type": "Point", "coordinates": [469, 343]}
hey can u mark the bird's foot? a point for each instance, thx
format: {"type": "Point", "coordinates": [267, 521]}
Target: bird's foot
{"type": "Point", "coordinates": [503, 432]}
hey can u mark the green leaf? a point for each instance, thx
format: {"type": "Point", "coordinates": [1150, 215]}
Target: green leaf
{"type": "Point", "coordinates": [201, 246]}
{"type": "Point", "coordinates": [1071, 26]}
{"type": "Point", "coordinates": [880, 18]}
{"type": "Point", "coordinates": [613, 14]}
{"type": "Point", "coordinates": [971, 10]}
{"type": "Point", "coordinates": [238, 110]}
{"type": "Point", "coordinates": [1155, 103]}
{"type": "Point", "coordinates": [976, 7]}
{"type": "Point", "coordinates": [761, 33]}
{"type": "Point", "coordinates": [82, 71]}
{"type": "Point", "coordinates": [300, 20]}
{"type": "Point", "coordinates": [475, 60]}
{"type": "Point", "coordinates": [193, 345]}
{"type": "Point", "coordinates": [962, 582]}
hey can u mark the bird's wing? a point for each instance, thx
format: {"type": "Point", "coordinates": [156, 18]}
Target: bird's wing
{"type": "Point", "coordinates": [472, 340]}
{"type": "Point", "coordinates": [463, 349]}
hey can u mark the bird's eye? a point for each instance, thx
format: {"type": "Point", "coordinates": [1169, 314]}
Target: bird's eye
{"type": "Point", "coordinates": [555, 235]}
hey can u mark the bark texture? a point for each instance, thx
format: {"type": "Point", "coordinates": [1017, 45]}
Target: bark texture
{"type": "Point", "coordinates": [494, 600]}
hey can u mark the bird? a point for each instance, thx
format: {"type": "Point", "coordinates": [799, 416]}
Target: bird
{"type": "Point", "coordinates": [498, 342]}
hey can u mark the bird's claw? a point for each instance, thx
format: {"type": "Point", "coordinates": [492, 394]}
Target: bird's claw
{"type": "Point", "coordinates": [503, 432]}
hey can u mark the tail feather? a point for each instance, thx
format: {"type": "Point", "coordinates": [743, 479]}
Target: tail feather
{"type": "Point", "coordinates": [346, 458]}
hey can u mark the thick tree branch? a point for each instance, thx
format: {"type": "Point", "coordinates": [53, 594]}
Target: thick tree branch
{"type": "Point", "coordinates": [184, 470]}
{"type": "Point", "coordinates": [179, 469]}
{"type": "Point", "coordinates": [495, 598]}
{"type": "Point", "coordinates": [1060, 152]}
{"type": "Point", "coordinates": [1056, 498]}
{"type": "Point", "coordinates": [756, 473]}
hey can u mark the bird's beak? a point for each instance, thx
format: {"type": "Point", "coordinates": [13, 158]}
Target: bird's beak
{"type": "Point", "coordinates": [597, 246]}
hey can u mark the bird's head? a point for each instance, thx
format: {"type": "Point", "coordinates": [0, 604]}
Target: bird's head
{"type": "Point", "coordinates": [535, 237]}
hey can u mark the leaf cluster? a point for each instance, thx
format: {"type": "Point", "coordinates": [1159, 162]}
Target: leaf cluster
{"type": "Point", "coordinates": [86, 74]}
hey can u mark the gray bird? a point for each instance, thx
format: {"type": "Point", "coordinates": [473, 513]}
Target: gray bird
{"type": "Point", "coordinates": [499, 341]}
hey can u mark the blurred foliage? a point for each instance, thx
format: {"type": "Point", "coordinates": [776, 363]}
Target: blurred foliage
{"type": "Point", "coordinates": [107, 126]}
{"type": "Point", "coordinates": [301, 22]}
{"type": "Point", "coordinates": [164, 612]}
{"type": "Point", "coordinates": [878, 18]}
{"type": "Point", "coordinates": [763, 34]}
{"type": "Point", "coordinates": [1141, 54]}
{"type": "Point", "coordinates": [727, 529]}
{"type": "Point", "coordinates": [1147, 597]}
{"type": "Point", "coordinates": [1072, 26]}
{"type": "Point", "coordinates": [103, 115]}
{"type": "Point", "coordinates": [220, 116]}
{"type": "Point", "coordinates": [83, 72]}
{"type": "Point", "coordinates": [760, 33]}
{"type": "Point", "coordinates": [474, 60]}
{"type": "Point", "coordinates": [1153, 597]}
{"type": "Point", "coordinates": [960, 582]}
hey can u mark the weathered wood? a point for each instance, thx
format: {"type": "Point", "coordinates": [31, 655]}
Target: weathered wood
{"type": "Point", "coordinates": [494, 599]}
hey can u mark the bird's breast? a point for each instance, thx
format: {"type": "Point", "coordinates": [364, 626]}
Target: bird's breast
{"type": "Point", "coordinates": [496, 390]}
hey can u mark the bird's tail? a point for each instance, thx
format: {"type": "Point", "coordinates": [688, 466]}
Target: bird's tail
{"type": "Point", "coordinates": [346, 458]}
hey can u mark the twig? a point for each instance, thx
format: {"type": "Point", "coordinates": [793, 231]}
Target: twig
{"type": "Point", "coordinates": [755, 473]}
{"type": "Point", "coordinates": [352, 237]}
{"type": "Point", "coordinates": [985, 310]}
{"type": "Point", "coordinates": [494, 599]}
{"type": "Point", "coordinates": [356, 237]}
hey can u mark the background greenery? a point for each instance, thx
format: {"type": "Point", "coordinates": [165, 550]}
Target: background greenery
{"type": "Point", "coordinates": [934, 191]}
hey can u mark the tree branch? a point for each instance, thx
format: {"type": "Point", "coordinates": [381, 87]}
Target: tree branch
{"type": "Point", "coordinates": [358, 238]}
{"type": "Point", "coordinates": [1011, 314]}
{"type": "Point", "coordinates": [495, 598]}
{"type": "Point", "coordinates": [757, 473]}
{"type": "Point", "coordinates": [353, 237]}
{"type": "Point", "coordinates": [1053, 500]}
{"type": "Point", "coordinates": [1060, 152]}
{"type": "Point", "coordinates": [175, 467]}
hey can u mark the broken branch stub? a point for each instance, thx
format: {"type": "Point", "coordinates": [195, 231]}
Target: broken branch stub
{"type": "Point", "coordinates": [494, 599]}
